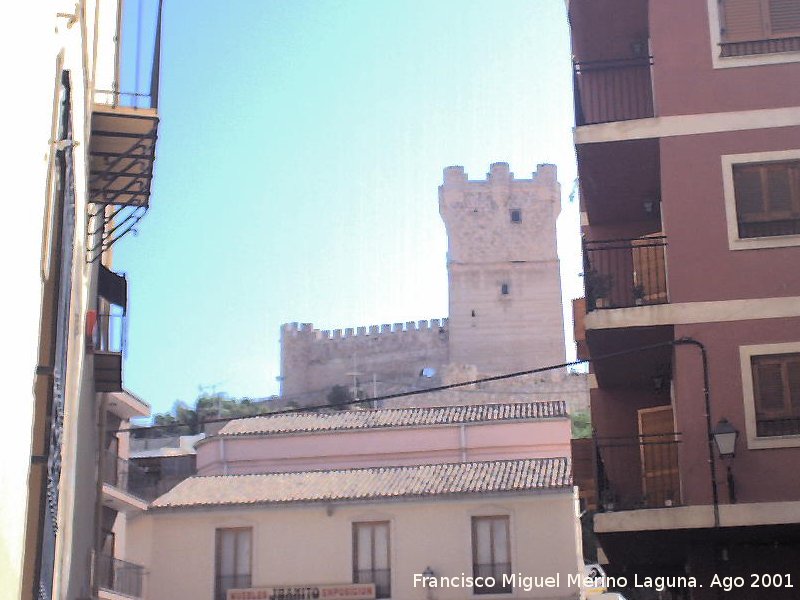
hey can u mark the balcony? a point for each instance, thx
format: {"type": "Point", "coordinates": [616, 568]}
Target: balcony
{"type": "Point", "coordinates": [625, 273]}
{"type": "Point", "coordinates": [500, 572]}
{"type": "Point", "coordinates": [382, 578]}
{"type": "Point", "coordinates": [638, 472]}
{"type": "Point", "coordinates": [108, 344]}
{"type": "Point", "coordinates": [126, 486]}
{"type": "Point", "coordinates": [223, 583]}
{"type": "Point", "coordinates": [117, 577]}
{"type": "Point", "coordinates": [124, 127]}
{"type": "Point", "coordinates": [613, 90]}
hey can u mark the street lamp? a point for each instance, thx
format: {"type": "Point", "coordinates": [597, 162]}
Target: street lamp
{"type": "Point", "coordinates": [725, 436]}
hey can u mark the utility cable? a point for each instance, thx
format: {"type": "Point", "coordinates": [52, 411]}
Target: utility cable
{"type": "Point", "coordinates": [308, 409]}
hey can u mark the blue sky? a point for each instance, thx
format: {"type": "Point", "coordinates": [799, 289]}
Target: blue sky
{"type": "Point", "coordinates": [301, 147]}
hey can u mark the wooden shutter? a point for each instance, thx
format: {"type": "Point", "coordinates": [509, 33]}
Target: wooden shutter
{"type": "Point", "coordinates": [784, 16]}
{"type": "Point", "coordinates": [769, 390]}
{"type": "Point", "coordinates": [742, 20]}
{"type": "Point", "coordinates": [776, 386]}
{"type": "Point", "coordinates": [748, 191]}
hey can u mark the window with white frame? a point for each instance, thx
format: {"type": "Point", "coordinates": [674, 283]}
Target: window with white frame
{"type": "Point", "coordinates": [233, 560]}
{"type": "Point", "coordinates": [751, 27]}
{"type": "Point", "coordinates": [491, 553]}
{"type": "Point", "coordinates": [762, 199]}
{"type": "Point", "coordinates": [767, 198]}
{"type": "Point", "coordinates": [776, 394]}
{"type": "Point", "coordinates": [371, 562]}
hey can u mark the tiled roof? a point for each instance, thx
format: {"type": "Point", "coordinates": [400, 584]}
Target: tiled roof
{"type": "Point", "coordinates": [394, 417]}
{"type": "Point", "coordinates": [371, 484]}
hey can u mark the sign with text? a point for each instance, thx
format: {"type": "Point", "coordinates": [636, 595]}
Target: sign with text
{"type": "Point", "coordinates": [343, 591]}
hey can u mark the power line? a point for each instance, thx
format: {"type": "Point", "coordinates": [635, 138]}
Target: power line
{"type": "Point", "coordinates": [441, 388]}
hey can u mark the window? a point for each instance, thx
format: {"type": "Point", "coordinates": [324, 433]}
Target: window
{"type": "Point", "coordinates": [749, 27]}
{"type": "Point", "coordinates": [504, 289]}
{"type": "Point", "coordinates": [767, 198]}
{"type": "Point", "coordinates": [776, 391]}
{"type": "Point", "coordinates": [516, 215]}
{"type": "Point", "coordinates": [491, 553]}
{"type": "Point", "coordinates": [371, 556]}
{"type": "Point", "coordinates": [233, 560]}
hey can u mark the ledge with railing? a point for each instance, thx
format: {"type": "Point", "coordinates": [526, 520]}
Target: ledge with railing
{"type": "Point", "coordinates": [756, 47]}
{"type": "Point", "coordinates": [108, 338]}
{"type": "Point", "coordinates": [223, 583]}
{"type": "Point", "coordinates": [110, 333]}
{"type": "Point", "coordinates": [625, 272]}
{"type": "Point", "coordinates": [638, 472]}
{"type": "Point", "coordinates": [128, 477]}
{"type": "Point", "coordinates": [382, 579]}
{"type": "Point", "coordinates": [499, 572]}
{"type": "Point", "coordinates": [613, 90]}
{"type": "Point", "coordinates": [119, 576]}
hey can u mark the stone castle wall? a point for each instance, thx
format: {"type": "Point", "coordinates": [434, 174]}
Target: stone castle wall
{"type": "Point", "coordinates": [314, 361]}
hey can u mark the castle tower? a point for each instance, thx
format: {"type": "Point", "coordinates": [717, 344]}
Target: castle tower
{"type": "Point", "coordinates": [503, 269]}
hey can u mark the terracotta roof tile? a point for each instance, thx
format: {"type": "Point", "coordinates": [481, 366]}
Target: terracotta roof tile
{"type": "Point", "coordinates": [394, 417]}
{"type": "Point", "coordinates": [371, 484]}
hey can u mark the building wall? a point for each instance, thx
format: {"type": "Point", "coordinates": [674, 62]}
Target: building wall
{"type": "Point", "coordinates": [703, 267]}
{"type": "Point", "coordinates": [312, 544]}
{"type": "Point", "coordinates": [762, 475]}
{"type": "Point", "coordinates": [679, 66]}
{"type": "Point", "coordinates": [384, 447]}
{"type": "Point", "coordinates": [55, 41]}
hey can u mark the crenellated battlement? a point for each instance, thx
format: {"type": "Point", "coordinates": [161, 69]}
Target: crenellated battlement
{"type": "Point", "coordinates": [314, 359]}
{"type": "Point", "coordinates": [500, 174]}
{"type": "Point", "coordinates": [432, 326]}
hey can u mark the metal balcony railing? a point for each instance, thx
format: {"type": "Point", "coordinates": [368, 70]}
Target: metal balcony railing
{"type": "Point", "coordinates": [638, 472]}
{"type": "Point", "coordinates": [110, 333]}
{"type": "Point", "coordinates": [136, 80]}
{"type": "Point", "coordinates": [128, 477]}
{"type": "Point", "coordinates": [624, 273]}
{"type": "Point", "coordinates": [382, 578]}
{"type": "Point", "coordinates": [119, 576]}
{"type": "Point", "coordinates": [755, 47]}
{"type": "Point", "coordinates": [223, 583]}
{"type": "Point", "coordinates": [613, 90]}
{"type": "Point", "coordinates": [496, 571]}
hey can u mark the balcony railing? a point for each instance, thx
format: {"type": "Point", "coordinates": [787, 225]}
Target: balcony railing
{"type": "Point", "coordinates": [613, 90]}
{"type": "Point", "coordinates": [223, 583]}
{"type": "Point", "coordinates": [127, 476]}
{"type": "Point", "coordinates": [638, 472]}
{"type": "Point", "coordinates": [135, 82]}
{"type": "Point", "coordinates": [125, 128]}
{"type": "Point", "coordinates": [755, 47]}
{"type": "Point", "coordinates": [382, 578]}
{"type": "Point", "coordinates": [108, 345]}
{"type": "Point", "coordinates": [119, 576]}
{"type": "Point", "coordinates": [110, 333]}
{"type": "Point", "coordinates": [624, 273]}
{"type": "Point", "coordinates": [496, 571]}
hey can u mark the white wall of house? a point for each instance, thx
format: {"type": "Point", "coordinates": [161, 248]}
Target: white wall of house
{"type": "Point", "coordinates": [40, 40]}
{"type": "Point", "coordinates": [312, 544]}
